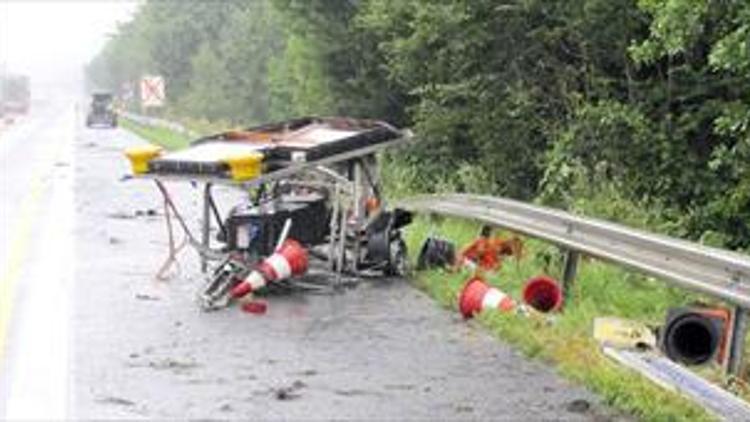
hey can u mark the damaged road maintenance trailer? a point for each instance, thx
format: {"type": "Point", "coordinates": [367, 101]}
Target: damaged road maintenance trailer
{"type": "Point", "coordinates": [312, 189]}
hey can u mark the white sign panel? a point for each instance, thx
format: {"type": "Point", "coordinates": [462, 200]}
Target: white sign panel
{"type": "Point", "coordinates": [152, 91]}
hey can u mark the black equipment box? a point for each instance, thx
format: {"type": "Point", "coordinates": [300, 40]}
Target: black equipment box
{"type": "Point", "coordinates": [257, 227]}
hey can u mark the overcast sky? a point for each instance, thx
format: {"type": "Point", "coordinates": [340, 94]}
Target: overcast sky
{"type": "Point", "coordinates": [51, 40]}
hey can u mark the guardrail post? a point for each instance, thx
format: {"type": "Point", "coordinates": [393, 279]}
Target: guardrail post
{"type": "Point", "coordinates": [206, 226]}
{"type": "Point", "coordinates": [569, 272]}
{"type": "Point", "coordinates": [737, 341]}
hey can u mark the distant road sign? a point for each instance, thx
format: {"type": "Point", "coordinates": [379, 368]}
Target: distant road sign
{"type": "Point", "coordinates": [152, 91]}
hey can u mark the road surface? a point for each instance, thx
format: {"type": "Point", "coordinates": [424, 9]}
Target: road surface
{"type": "Point", "coordinates": [86, 331]}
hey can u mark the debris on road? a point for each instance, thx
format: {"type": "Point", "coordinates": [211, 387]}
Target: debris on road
{"type": "Point", "coordinates": [144, 296]}
{"type": "Point", "coordinates": [116, 400]}
{"type": "Point", "coordinates": [623, 334]}
{"type": "Point", "coordinates": [578, 406]}
{"type": "Point", "coordinates": [289, 393]}
{"type": "Point", "coordinates": [255, 307]}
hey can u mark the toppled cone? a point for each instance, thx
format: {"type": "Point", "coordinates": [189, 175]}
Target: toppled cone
{"type": "Point", "coordinates": [543, 293]}
{"type": "Point", "coordinates": [477, 296]}
{"type": "Point", "coordinates": [289, 260]}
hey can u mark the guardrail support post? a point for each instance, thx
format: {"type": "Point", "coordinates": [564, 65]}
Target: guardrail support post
{"type": "Point", "coordinates": [569, 272]}
{"type": "Point", "coordinates": [206, 225]}
{"type": "Point", "coordinates": [737, 341]}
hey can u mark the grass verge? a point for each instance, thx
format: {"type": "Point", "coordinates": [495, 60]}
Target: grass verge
{"type": "Point", "coordinates": [600, 290]}
{"type": "Point", "coordinates": [167, 138]}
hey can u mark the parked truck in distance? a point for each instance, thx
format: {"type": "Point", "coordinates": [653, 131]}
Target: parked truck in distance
{"type": "Point", "coordinates": [15, 94]}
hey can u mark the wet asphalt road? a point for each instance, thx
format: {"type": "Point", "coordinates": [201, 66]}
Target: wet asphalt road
{"type": "Point", "coordinates": [111, 342]}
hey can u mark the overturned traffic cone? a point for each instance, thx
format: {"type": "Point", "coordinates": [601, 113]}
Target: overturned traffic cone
{"type": "Point", "coordinates": [543, 294]}
{"type": "Point", "coordinates": [477, 296]}
{"type": "Point", "coordinates": [289, 260]}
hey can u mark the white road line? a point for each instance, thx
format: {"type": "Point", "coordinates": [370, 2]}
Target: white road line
{"type": "Point", "coordinates": [39, 370]}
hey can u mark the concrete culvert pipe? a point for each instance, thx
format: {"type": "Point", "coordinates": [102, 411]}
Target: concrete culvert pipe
{"type": "Point", "coordinates": [692, 338]}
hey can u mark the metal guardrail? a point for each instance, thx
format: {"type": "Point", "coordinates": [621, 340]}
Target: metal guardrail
{"type": "Point", "coordinates": [718, 273]}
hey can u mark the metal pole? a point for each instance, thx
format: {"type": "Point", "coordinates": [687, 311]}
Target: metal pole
{"type": "Point", "coordinates": [569, 272]}
{"type": "Point", "coordinates": [206, 226]}
{"type": "Point", "coordinates": [737, 341]}
{"type": "Point", "coordinates": [359, 217]}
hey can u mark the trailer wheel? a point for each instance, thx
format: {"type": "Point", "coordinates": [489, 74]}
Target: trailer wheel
{"type": "Point", "coordinates": [398, 263]}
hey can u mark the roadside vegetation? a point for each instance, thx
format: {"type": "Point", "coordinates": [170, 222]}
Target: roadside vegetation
{"type": "Point", "coordinates": [167, 138]}
{"type": "Point", "coordinates": [565, 339]}
{"type": "Point", "coordinates": [539, 100]}
{"type": "Point", "coordinates": [636, 112]}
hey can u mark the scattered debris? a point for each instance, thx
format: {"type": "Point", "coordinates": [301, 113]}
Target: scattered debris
{"type": "Point", "coordinates": [226, 407]}
{"type": "Point", "coordinates": [307, 373]}
{"type": "Point", "coordinates": [148, 213]}
{"type": "Point", "coordinates": [289, 393]}
{"type": "Point", "coordinates": [114, 240]}
{"type": "Point", "coordinates": [436, 253]}
{"type": "Point", "coordinates": [120, 215]}
{"type": "Point", "coordinates": [462, 408]}
{"type": "Point", "coordinates": [116, 400]}
{"type": "Point", "coordinates": [144, 296]}
{"type": "Point", "coordinates": [487, 252]}
{"type": "Point", "coordinates": [257, 307]}
{"type": "Point", "coordinates": [578, 406]}
{"type": "Point", "coordinates": [623, 334]}
{"type": "Point", "coordinates": [172, 364]}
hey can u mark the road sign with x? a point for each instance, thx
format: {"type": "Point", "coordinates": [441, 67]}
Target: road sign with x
{"type": "Point", "coordinates": [152, 91]}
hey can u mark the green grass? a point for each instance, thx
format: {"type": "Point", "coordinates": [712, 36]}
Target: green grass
{"type": "Point", "coordinates": [167, 138]}
{"type": "Point", "coordinates": [600, 290]}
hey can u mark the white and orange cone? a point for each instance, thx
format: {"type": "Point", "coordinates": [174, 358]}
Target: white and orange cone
{"type": "Point", "coordinates": [477, 296]}
{"type": "Point", "coordinates": [290, 259]}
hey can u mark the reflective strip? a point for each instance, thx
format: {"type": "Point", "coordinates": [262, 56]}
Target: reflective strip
{"type": "Point", "coordinates": [255, 280]}
{"type": "Point", "coordinates": [280, 265]}
{"type": "Point", "coordinates": [492, 299]}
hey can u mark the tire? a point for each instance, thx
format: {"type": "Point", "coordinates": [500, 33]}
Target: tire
{"type": "Point", "coordinates": [398, 262]}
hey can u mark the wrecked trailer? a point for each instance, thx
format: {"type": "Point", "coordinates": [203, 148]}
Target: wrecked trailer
{"type": "Point", "coordinates": [311, 192]}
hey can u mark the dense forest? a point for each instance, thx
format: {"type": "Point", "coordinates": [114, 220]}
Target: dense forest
{"type": "Point", "coordinates": [631, 110]}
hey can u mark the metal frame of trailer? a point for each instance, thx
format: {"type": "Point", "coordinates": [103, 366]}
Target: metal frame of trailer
{"type": "Point", "coordinates": [357, 243]}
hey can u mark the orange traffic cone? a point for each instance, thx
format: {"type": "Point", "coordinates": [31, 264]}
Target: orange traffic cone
{"type": "Point", "coordinates": [543, 294]}
{"type": "Point", "coordinates": [477, 296]}
{"type": "Point", "coordinates": [289, 260]}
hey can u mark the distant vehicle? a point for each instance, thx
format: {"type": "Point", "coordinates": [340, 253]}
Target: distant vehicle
{"type": "Point", "coordinates": [101, 111]}
{"type": "Point", "coordinates": [15, 94]}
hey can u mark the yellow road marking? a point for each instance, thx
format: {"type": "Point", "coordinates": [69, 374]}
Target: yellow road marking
{"type": "Point", "coordinates": [19, 243]}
